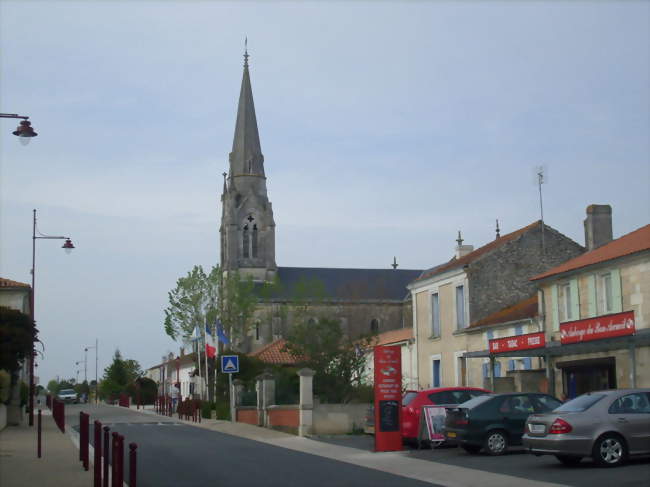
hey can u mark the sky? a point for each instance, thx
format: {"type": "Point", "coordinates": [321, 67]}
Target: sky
{"type": "Point", "coordinates": [386, 128]}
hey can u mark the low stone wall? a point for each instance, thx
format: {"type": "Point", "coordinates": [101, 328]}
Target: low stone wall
{"type": "Point", "coordinates": [3, 416]}
{"type": "Point", "coordinates": [284, 418]}
{"type": "Point", "coordinates": [338, 419]}
{"type": "Point", "coordinates": [247, 414]}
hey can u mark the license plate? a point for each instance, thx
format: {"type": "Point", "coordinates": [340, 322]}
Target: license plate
{"type": "Point", "coordinates": [537, 428]}
{"type": "Point", "coordinates": [451, 434]}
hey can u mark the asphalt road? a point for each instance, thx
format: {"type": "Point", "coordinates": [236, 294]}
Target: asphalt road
{"type": "Point", "coordinates": [519, 463]}
{"type": "Point", "coordinates": [173, 454]}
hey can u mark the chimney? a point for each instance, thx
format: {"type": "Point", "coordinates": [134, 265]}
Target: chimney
{"type": "Point", "coordinates": [598, 226]}
{"type": "Point", "coordinates": [462, 250]}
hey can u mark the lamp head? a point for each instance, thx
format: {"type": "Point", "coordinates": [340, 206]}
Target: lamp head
{"type": "Point", "coordinates": [68, 246]}
{"type": "Point", "coordinates": [25, 132]}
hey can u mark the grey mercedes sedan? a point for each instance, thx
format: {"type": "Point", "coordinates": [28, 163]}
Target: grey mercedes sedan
{"type": "Point", "coordinates": [608, 426]}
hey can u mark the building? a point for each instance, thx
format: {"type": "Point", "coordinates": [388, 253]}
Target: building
{"type": "Point", "coordinates": [451, 299]}
{"type": "Point", "coordinates": [176, 370]}
{"type": "Point", "coordinates": [363, 300]}
{"type": "Point", "coordinates": [402, 338]}
{"type": "Point", "coordinates": [596, 311]}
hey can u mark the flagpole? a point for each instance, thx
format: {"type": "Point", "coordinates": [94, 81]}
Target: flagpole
{"type": "Point", "coordinates": [207, 371]}
{"type": "Point", "coordinates": [198, 360]}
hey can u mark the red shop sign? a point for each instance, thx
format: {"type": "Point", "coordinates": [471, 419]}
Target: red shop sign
{"type": "Point", "coordinates": [519, 342]}
{"type": "Point", "coordinates": [608, 326]}
{"type": "Point", "coordinates": [388, 398]}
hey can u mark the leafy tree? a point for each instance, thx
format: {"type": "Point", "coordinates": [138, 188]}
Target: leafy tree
{"type": "Point", "coordinates": [53, 387]}
{"type": "Point", "coordinates": [118, 376]}
{"type": "Point", "coordinates": [17, 336]}
{"type": "Point", "coordinates": [323, 347]}
{"type": "Point", "coordinates": [193, 302]}
{"type": "Point", "coordinates": [237, 303]}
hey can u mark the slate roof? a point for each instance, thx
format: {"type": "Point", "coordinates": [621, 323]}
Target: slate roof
{"type": "Point", "coordinates": [344, 284]}
{"type": "Point", "coordinates": [633, 242]}
{"type": "Point", "coordinates": [9, 283]}
{"type": "Point", "coordinates": [480, 252]}
{"type": "Point", "coordinates": [274, 353]}
{"type": "Point", "coordinates": [520, 311]}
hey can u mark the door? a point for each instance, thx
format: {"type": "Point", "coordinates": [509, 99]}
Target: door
{"type": "Point", "coordinates": [630, 414]}
{"type": "Point", "coordinates": [514, 411]}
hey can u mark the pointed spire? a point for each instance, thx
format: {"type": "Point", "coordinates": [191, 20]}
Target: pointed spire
{"type": "Point", "coordinates": [394, 264]}
{"type": "Point", "coordinates": [459, 240]}
{"type": "Point", "coordinates": [246, 156]}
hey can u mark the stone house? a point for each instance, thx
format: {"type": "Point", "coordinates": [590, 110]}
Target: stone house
{"type": "Point", "coordinates": [449, 298]}
{"type": "Point", "coordinates": [595, 311]}
{"type": "Point", "coordinates": [176, 369]}
{"type": "Point", "coordinates": [363, 300]}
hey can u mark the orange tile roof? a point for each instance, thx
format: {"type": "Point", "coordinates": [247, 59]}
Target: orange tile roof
{"type": "Point", "coordinates": [274, 353]}
{"type": "Point", "coordinates": [9, 283]}
{"type": "Point", "coordinates": [472, 256]}
{"type": "Point", "coordinates": [393, 336]}
{"type": "Point", "coordinates": [633, 242]}
{"type": "Point", "coordinates": [520, 311]}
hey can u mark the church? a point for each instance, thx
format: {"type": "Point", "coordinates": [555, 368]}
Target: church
{"type": "Point", "coordinates": [363, 300]}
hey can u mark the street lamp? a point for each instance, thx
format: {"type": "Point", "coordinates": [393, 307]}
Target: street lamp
{"type": "Point", "coordinates": [69, 249]}
{"type": "Point", "coordinates": [67, 246]}
{"type": "Point", "coordinates": [24, 131]}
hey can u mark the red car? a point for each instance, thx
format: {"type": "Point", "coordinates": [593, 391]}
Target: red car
{"type": "Point", "coordinates": [412, 403]}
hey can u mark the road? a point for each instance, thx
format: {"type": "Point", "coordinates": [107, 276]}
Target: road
{"type": "Point", "coordinates": [174, 454]}
{"type": "Point", "coordinates": [519, 463]}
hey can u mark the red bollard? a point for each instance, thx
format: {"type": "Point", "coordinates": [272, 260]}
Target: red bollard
{"type": "Point", "coordinates": [39, 434]}
{"type": "Point", "coordinates": [120, 461]}
{"type": "Point", "coordinates": [106, 455]}
{"type": "Point", "coordinates": [132, 464]}
{"type": "Point", "coordinates": [97, 459]}
{"type": "Point", "coordinates": [114, 436]}
{"type": "Point", "coordinates": [83, 439]}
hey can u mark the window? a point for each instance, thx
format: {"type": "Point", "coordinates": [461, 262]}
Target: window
{"type": "Point", "coordinates": [519, 330]}
{"type": "Point", "coordinates": [517, 405]}
{"type": "Point", "coordinates": [631, 404]}
{"type": "Point", "coordinates": [453, 397]}
{"type": "Point", "coordinates": [565, 303]}
{"type": "Point", "coordinates": [374, 325]}
{"type": "Point", "coordinates": [511, 365]}
{"type": "Point", "coordinates": [460, 307]}
{"type": "Point", "coordinates": [528, 363]}
{"type": "Point", "coordinates": [254, 242]}
{"type": "Point", "coordinates": [547, 403]}
{"type": "Point", "coordinates": [408, 397]}
{"type": "Point", "coordinates": [246, 242]}
{"type": "Point", "coordinates": [497, 369]}
{"type": "Point", "coordinates": [435, 316]}
{"type": "Point", "coordinates": [580, 403]}
{"type": "Point", "coordinates": [257, 330]}
{"type": "Point", "coordinates": [490, 336]}
{"type": "Point", "coordinates": [435, 382]}
{"type": "Point", "coordinates": [604, 296]}
{"type": "Point", "coordinates": [486, 370]}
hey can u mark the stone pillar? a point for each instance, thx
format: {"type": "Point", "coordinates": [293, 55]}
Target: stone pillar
{"type": "Point", "coordinates": [236, 394]}
{"type": "Point", "coordinates": [306, 401]}
{"type": "Point", "coordinates": [265, 396]}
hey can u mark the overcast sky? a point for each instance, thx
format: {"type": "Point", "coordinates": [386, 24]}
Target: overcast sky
{"type": "Point", "coordinates": [386, 127]}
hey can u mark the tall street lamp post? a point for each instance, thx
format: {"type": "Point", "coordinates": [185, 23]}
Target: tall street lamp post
{"type": "Point", "coordinates": [95, 347]}
{"type": "Point", "coordinates": [24, 130]}
{"type": "Point", "coordinates": [67, 246]}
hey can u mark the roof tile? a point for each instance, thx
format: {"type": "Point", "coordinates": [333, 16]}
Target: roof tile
{"type": "Point", "coordinates": [274, 353]}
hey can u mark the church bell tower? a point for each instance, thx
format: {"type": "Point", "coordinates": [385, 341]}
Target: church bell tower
{"type": "Point", "coordinates": [247, 226]}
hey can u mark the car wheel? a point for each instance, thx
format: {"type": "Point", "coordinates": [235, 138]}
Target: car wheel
{"type": "Point", "coordinates": [496, 443]}
{"type": "Point", "coordinates": [609, 451]}
{"type": "Point", "coordinates": [568, 459]}
{"type": "Point", "coordinates": [471, 448]}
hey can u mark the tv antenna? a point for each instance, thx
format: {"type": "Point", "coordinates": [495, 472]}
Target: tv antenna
{"type": "Point", "coordinates": [541, 177]}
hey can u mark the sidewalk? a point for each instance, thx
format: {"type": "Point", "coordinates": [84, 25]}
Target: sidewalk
{"type": "Point", "coordinates": [59, 464]}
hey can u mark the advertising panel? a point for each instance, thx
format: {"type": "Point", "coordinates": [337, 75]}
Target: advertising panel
{"type": "Point", "coordinates": [608, 326]}
{"type": "Point", "coordinates": [519, 342]}
{"type": "Point", "coordinates": [388, 398]}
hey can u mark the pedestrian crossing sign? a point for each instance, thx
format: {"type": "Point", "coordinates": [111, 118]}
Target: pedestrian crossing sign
{"type": "Point", "coordinates": [230, 364]}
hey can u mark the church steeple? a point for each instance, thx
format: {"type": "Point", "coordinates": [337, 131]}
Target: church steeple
{"type": "Point", "coordinates": [246, 157]}
{"type": "Point", "coordinates": [247, 225]}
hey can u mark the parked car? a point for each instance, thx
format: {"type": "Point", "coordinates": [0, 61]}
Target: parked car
{"type": "Point", "coordinates": [608, 426]}
{"type": "Point", "coordinates": [412, 402]}
{"type": "Point", "coordinates": [67, 395]}
{"type": "Point", "coordinates": [494, 422]}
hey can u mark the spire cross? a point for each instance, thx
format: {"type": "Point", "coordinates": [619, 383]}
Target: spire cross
{"type": "Point", "coordinates": [394, 264]}
{"type": "Point", "coordinates": [246, 56]}
{"type": "Point", "coordinates": [459, 240]}
{"type": "Point", "coordinates": [498, 229]}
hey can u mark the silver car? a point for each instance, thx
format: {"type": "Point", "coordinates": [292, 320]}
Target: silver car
{"type": "Point", "coordinates": [608, 426]}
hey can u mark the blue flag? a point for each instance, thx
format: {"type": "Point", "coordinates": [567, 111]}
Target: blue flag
{"type": "Point", "coordinates": [221, 335]}
{"type": "Point", "coordinates": [207, 329]}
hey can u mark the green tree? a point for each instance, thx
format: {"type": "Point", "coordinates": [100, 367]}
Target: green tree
{"type": "Point", "coordinates": [17, 336]}
{"type": "Point", "coordinates": [53, 387]}
{"type": "Point", "coordinates": [118, 376]}
{"type": "Point", "coordinates": [193, 302]}
{"type": "Point", "coordinates": [336, 359]}
{"type": "Point", "coordinates": [236, 305]}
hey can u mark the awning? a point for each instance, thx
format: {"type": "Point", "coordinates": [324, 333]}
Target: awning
{"type": "Point", "coordinates": [555, 349]}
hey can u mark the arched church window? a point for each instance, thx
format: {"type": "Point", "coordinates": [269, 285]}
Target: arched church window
{"type": "Point", "coordinates": [374, 325]}
{"type": "Point", "coordinates": [246, 242]}
{"type": "Point", "coordinates": [254, 241]}
{"type": "Point", "coordinates": [257, 330]}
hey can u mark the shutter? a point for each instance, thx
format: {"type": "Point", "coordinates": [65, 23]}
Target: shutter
{"type": "Point", "coordinates": [555, 308]}
{"type": "Point", "coordinates": [591, 296]}
{"type": "Point", "coordinates": [575, 299]}
{"type": "Point", "coordinates": [617, 298]}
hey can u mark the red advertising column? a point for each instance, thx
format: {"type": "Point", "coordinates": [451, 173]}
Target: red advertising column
{"type": "Point", "coordinates": [388, 398]}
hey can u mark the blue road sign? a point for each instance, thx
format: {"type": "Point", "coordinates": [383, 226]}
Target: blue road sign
{"type": "Point", "coordinates": [230, 364]}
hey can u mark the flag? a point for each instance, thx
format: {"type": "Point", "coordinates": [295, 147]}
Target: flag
{"type": "Point", "coordinates": [221, 335]}
{"type": "Point", "coordinates": [207, 329]}
{"type": "Point", "coordinates": [210, 351]}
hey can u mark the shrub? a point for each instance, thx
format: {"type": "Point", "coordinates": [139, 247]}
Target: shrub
{"type": "Point", "coordinates": [206, 409]}
{"type": "Point", "coordinates": [223, 410]}
{"type": "Point", "coordinates": [5, 386]}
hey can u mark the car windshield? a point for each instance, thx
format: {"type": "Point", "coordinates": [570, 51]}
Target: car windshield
{"type": "Point", "coordinates": [67, 391]}
{"type": "Point", "coordinates": [408, 397]}
{"type": "Point", "coordinates": [476, 401]}
{"type": "Point", "coordinates": [454, 397]}
{"type": "Point", "coordinates": [579, 404]}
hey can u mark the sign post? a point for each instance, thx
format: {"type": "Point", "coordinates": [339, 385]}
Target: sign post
{"type": "Point", "coordinates": [230, 365]}
{"type": "Point", "coordinates": [388, 398]}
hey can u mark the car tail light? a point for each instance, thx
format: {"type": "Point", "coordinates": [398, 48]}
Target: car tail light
{"type": "Point", "coordinates": [559, 427]}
